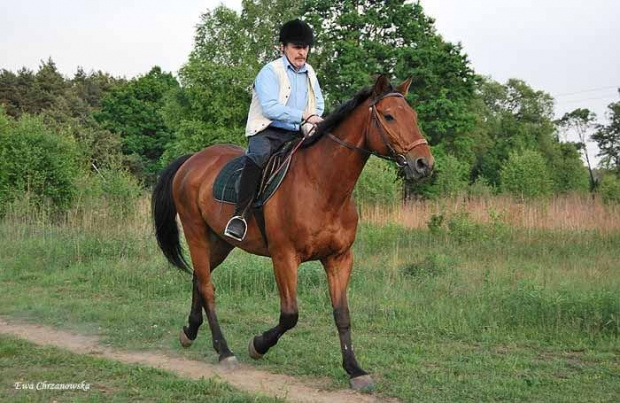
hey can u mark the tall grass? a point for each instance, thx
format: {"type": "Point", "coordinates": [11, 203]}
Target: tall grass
{"type": "Point", "coordinates": [560, 212]}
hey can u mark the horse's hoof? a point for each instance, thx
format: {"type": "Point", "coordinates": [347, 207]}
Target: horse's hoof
{"type": "Point", "coordinates": [362, 383]}
{"type": "Point", "coordinates": [252, 351]}
{"type": "Point", "coordinates": [229, 363]}
{"type": "Point", "coordinates": [184, 340]}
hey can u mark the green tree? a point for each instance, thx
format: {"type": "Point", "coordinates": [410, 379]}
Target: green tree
{"type": "Point", "coordinates": [212, 102]}
{"type": "Point", "coordinates": [32, 93]}
{"type": "Point", "coordinates": [134, 111]}
{"type": "Point", "coordinates": [567, 171]}
{"type": "Point", "coordinates": [450, 177]}
{"type": "Point", "coordinates": [357, 38]}
{"type": "Point", "coordinates": [607, 137]}
{"type": "Point", "coordinates": [610, 188]}
{"type": "Point", "coordinates": [581, 122]}
{"type": "Point", "coordinates": [379, 183]}
{"type": "Point", "coordinates": [512, 117]}
{"type": "Point", "coordinates": [525, 174]}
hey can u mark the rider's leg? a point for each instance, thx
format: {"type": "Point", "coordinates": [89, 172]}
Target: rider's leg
{"type": "Point", "coordinates": [259, 150]}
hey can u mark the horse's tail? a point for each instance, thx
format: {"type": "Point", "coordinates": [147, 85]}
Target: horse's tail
{"type": "Point", "coordinates": [164, 216]}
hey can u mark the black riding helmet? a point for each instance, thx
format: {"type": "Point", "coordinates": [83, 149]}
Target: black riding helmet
{"type": "Point", "coordinates": [296, 32]}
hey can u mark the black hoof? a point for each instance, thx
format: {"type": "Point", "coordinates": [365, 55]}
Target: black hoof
{"type": "Point", "coordinates": [252, 351]}
{"type": "Point", "coordinates": [184, 340]}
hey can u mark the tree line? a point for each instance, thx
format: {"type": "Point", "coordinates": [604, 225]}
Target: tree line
{"type": "Point", "coordinates": [486, 136]}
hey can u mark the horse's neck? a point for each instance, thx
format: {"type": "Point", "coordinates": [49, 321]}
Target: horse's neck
{"type": "Point", "coordinates": [333, 168]}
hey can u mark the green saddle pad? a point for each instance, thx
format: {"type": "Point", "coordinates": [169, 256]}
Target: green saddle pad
{"type": "Point", "coordinates": [226, 186]}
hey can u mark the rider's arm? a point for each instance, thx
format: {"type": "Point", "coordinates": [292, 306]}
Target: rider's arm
{"type": "Point", "coordinates": [268, 90]}
{"type": "Point", "coordinates": [320, 102]}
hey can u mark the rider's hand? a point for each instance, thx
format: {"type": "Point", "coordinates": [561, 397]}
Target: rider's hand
{"type": "Point", "coordinates": [313, 119]}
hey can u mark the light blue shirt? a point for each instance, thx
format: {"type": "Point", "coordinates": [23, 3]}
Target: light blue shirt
{"type": "Point", "coordinates": [267, 88]}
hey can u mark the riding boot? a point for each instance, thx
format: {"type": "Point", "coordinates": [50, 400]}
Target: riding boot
{"type": "Point", "coordinates": [250, 176]}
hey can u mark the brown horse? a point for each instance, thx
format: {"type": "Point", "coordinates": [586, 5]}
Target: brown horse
{"type": "Point", "coordinates": [311, 217]}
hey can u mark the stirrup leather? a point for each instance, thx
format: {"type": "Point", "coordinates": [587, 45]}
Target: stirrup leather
{"type": "Point", "coordinates": [229, 234]}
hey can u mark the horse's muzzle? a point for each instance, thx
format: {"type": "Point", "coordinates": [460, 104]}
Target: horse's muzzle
{"type": "Point", "coordinates": [418, 168]}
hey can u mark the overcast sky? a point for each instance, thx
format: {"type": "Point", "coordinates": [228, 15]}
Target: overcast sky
{"type": "Point", "coordinates": [567, 48]}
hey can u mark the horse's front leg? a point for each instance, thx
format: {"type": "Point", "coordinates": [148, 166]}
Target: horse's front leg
{"type": "Point", "coordinates": [285, 268]}
{"type": "Point", "coordinates": [338, 269]}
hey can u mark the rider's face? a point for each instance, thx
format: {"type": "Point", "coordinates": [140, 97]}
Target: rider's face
{"type": "Point", "coordinates": [296, 54]}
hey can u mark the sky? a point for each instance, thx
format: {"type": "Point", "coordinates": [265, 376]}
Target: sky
{"type": "Point", "coordinates": [567, 48]}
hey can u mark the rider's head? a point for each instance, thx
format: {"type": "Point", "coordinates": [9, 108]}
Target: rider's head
{"type": "Point", "coordinates": [296, 38]}
{"type": "Point", "coordinates": [296, 32]}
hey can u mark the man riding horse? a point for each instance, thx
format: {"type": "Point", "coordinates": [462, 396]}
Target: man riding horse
{"type": "Point", "coordinates": [286, 95]}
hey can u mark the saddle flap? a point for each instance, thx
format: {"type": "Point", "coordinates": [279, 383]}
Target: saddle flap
{"type": "Point", "coordinates": [226, 186]}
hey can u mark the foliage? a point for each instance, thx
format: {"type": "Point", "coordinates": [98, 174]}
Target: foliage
{"type": "Point", "coordinates": [607, 138]}
{"type": "Point", "coordinates": [356, 39]}
{"type": "Point", "coordinates": [36, 160]}
{"type": "Point", "coordinates": [449, 179]}
{"type": "Point", "coordinates": [610, 188]}
{"type": "Point", "coordinates": [481, 188]}
{"type": "Point", "coordinates": [513, 117]}
{"type": "Point", "coordinates": [192, 136]}
{"type": "Point", "coordinates": [567, 171]}
{"type": "Point", "coordinates": [525, 174]}
{"type": "Point", "coordinates": [214, 96]}
{"type": "Point", "coordinates": [581, 121]}
{"type": "Point", "coordinates": [114, 189]}
{"type": "Point", "coordinates": [46, 90]}
{"type": "Point", "coordinates": [133, 111]}
{"type": "Point", "coordinates": [378, 183]}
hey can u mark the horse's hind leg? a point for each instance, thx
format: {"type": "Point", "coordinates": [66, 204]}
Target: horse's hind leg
{"type": "Point", "coordinates": [189, 333]}
{"type": "Point", "coordinates": [219, 250]}
{"type": "Point", "coordinates": [207, 252]}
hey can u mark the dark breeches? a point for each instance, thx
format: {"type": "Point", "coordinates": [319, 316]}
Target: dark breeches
{"type": "Point", "coordinates": [262, 145]}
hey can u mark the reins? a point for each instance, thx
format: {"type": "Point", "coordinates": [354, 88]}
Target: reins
{"type": "Point", "coordinates": [374, 118]}
{"type": "Point", "coordinates": [393, 155]}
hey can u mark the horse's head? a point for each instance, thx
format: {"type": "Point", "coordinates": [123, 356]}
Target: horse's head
{"type": "Point", "coordinates": [393, 130]}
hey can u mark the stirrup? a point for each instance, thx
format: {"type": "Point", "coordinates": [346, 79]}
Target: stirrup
{"type": "Point", "coordinates": [232, 235]}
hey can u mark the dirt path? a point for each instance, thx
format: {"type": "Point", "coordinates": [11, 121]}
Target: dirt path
{"type": "Point", "coordinates": [244, 378]}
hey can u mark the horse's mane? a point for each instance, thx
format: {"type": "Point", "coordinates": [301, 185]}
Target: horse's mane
{"type": "Point", "coordinates": [335, 118]}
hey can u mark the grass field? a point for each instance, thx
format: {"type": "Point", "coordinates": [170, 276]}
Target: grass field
{"type": "Point", "coordinates": [24, 366]}
{"type": "Point", "coordinates": [477, 310]}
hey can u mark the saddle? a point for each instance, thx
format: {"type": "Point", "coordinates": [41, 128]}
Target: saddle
{"type": "Point", "coordinates": [226, 186]}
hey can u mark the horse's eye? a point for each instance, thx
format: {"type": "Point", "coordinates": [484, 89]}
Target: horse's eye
{"type": "Point", "coordinates": [388, 117]}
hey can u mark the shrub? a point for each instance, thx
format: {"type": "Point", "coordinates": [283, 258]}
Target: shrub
{"type": "Point", "coordinates": [378, 183]}
{"type": "Point", "coordinates": [192, 136]}
{"type": "Point", "coordinates": [463, 229]}
{"type": "Point", "coordinates": [111, 189]}
{"type": "Point", "coordinates": [36, 160]}
{"type": "Point", "coordinates": [433, 265]}
{"type": "Point", "coordinates": [481, 188]}
{"type": "Point", "coordinates": [450, 177]}
{"type": "Point", "coordinates": [610, 189]}
{"type": "Point", "coordinates": [526, 175]}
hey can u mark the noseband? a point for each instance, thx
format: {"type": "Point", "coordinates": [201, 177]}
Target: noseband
{"type": "Point", "coordinates": [399, 159]}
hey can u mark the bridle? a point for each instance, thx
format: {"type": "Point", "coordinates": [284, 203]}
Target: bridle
{"type": "Point", "coordinates": [375, 119]}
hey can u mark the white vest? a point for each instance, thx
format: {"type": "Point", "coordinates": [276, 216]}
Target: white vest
{"type": "Point", "coordinates": [257, 122]}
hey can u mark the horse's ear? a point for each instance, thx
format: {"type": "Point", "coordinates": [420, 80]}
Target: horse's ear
{"type": "Point", "coordinates": [382, 85]}
{"type": "Point", "coordinates": [403, 88]}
